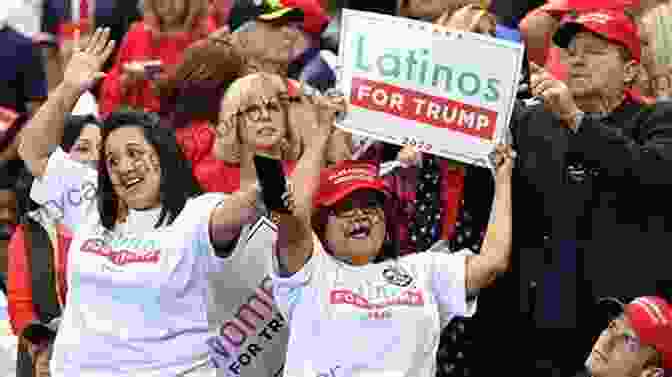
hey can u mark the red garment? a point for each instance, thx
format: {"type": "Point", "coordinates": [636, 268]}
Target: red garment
{"type": "Point", "coordinates": [218, 176]}
{"type": "Point", "coordinates": [143, 44]}
{"type": "Point", "coordinates": [196, 140]}
{"type": "Point", "coordinates": [20, 281]}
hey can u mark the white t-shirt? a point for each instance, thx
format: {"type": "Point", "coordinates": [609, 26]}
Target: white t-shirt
{"type": "Point", "coordinates": [380, 319]}
{"type": "Point", "coordinates": [8, 341]}
{"type": "Point", "coordinates": [252, 335]}
{"type": "Point", "coordinates": [137, 297]}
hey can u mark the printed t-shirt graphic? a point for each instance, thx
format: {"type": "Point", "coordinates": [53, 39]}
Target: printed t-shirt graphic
{"type": "Point", "coordinates": [381, 319]}
{"type": "Point", "coordinates": [252, 335]}
{"type": "Point", "coordinates": [138, 296]}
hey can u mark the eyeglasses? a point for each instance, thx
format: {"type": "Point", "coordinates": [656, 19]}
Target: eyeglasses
{"type": "Point", "coordinates": [264, 108]}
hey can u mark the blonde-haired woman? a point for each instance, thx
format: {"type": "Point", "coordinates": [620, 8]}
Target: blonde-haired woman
{"type": "Point", "coordinates": [150, 49]}
{"type": "Point", "coordinates": [260, 109]}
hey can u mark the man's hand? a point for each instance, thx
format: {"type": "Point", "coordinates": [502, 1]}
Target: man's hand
{"type": "Point", "coordinates": [661, 83]}
{"type": "Point", "coordinates": [556, 95]}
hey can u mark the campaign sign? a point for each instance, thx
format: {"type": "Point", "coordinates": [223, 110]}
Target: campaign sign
{"type": "Point", "coordinates": [447, 93]}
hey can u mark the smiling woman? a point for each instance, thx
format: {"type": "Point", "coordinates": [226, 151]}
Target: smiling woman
{"type": "Point", "coordinates": [338, 269]}
{"type": "Point", "coordinates": [150, 232]}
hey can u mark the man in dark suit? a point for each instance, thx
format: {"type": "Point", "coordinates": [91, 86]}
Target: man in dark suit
{"type": "Point", "coordinates": [592, 219]}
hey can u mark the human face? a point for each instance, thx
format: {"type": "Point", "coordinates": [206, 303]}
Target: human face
{"type": "Point", "coordinates": [596, 67]}
{"type": "Point", "coordinates": [618, 352]}
{"type": "Point", "coordinates": [171, 12]}
{"type": "Point", "coordinates": [275, 42]}
{"type": "Point", "coordinates": [87, 145]}
{"type": "Point", "coordinates": [265, 124]}
{"type": "Point", "coordinates": [356, 226]}
{"type": "Point", "coordinates": [134, 168]}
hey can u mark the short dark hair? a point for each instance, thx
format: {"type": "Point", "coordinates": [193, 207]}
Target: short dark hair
{"type": "Point", "coordinates": [74, 124]}
{"type": "Point", "coordinates": [177, 181]}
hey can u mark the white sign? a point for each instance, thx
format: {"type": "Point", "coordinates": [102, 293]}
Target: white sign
{"type": "Point", "coordinates": [413, 83]}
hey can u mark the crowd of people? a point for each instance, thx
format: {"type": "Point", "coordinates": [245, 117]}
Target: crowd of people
{"type": "Point", "coordinates": [176, 199]}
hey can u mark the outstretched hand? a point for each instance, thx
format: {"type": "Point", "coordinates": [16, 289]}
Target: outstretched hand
{"type": "Point", "coordinates": [85, 66]}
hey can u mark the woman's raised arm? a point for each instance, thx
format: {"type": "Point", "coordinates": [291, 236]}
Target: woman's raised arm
{"type": "Point", "coordinates": [44, 131]}
{"type": "Point", "coordinates": [495, 255]}
{"type": "Point", "coordinates": [295, 232]}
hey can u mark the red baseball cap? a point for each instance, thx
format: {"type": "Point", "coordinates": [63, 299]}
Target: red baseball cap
{"type": "Point", "coordinates": [651, 319]}
{"type": "Point", "coordinates": [612, 25]}
{"type": "Point", "coordinates": [346, 177]}
{"type": "Point", "coordinates": [564, 6]}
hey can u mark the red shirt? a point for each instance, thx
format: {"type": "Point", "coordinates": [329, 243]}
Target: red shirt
{"type": "Point", "coordinates": [218, 176]}
{"type": "Point", "coordinates": [141, 44]}
{"type": "Point", "coordinates": [212, 174]}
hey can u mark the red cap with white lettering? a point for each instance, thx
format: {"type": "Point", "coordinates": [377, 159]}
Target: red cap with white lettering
{"type": "Point", "coordinates": [613, 25]}
{"type": "Point", "coordinates": [346, 177]}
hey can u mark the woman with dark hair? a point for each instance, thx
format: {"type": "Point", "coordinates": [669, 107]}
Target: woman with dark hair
{"type": "Point", "coordinates": [339, 276]}
{"type": "Point", "coordinates": [38, 251]}
{"type": "Point", "coordinates": [138, 263]}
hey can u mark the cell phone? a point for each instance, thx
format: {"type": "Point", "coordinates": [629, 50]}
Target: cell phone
{"type": "Point", "coordinates": [273, 182]}
{"type": "Point", "coordinates": [37, 333]}
{"type": "Point", "coordinates": [153, 69]}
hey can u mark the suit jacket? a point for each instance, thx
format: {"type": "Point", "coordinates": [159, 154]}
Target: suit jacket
{"type": "Point", "coordinates": [591, 215]}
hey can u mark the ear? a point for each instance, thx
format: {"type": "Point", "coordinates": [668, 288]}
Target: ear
{"type": "Point", "coordinates": [631, 70]}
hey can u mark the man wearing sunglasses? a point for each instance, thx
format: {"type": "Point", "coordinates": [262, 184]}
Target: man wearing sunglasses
{"type": "Point", "coordinates": [636, 343]}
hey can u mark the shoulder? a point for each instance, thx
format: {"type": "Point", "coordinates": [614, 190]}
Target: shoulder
{"type": "Point", "coordinates": [10, 37]}
{"type": "Point", "coordinates": [431, 258]}
{"type": "Point", "coordinates": [658, 109]}
{"type": "Point", "coordinates": [654, 115]}
{"type": "Point", "coordinates": [202, 205]}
